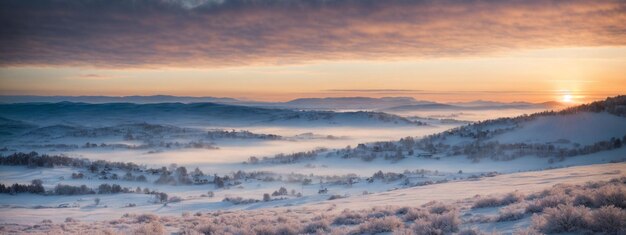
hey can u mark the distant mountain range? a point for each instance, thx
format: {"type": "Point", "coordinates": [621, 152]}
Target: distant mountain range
{"type": "Point", "coordinates": [475, 105]}
{"type": "Point", "coordinates": [331, 103]}
{"type": "Point", "coordinates": [204, 114]}
{"type": "Point", "coordinates": [116, 99]}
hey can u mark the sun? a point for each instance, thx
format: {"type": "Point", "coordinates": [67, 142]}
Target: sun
{"type": "Point", "coordinates": [567, 98]}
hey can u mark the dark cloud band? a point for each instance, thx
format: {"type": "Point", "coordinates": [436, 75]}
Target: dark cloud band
{"type": "Point", "coordinates": [137, 33]}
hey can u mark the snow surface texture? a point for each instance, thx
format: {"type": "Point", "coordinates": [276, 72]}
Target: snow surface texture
{"type": "Point", "coordinates": [16, 209]}
{"type": "Point", "coordinates": [582, 128]}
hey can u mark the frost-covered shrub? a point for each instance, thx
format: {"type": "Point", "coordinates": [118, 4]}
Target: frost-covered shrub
{"type": "Point", "coordinates": [609, 219]}
{"type": "Point", "coordinates": [152, 228]}
{"type": "Point", "coordinates": [610, 195]}
{"type": "Point", "coordinates": [423, 227]}
{"type": "Point", "coordinates": [402, 210]}
{"type": "Point", "coordinates": [470, 231]}
{"type": "Point", "coordinates": [415, 213]}
{"type": "Point", "coordinates": [287, 229]}
{"type": "Point", "coordinates": [146, 218]}
{"type": "Point", "coordinates": [348, 218]}
{"type": "Point", "coordinates": [507, 199]}
{"type": "Point", "coordinates": [527, 231]}
{"type": "Point", "coordinates": [440, 208]}
{"type": "Point", "coordinates": [208, 229]}
{"type": "Point", "coordinates": [379, 225]}
{"type": "Point", "coordinates": [511, 198]}
{"type": "Point", "coordinates": [317, 227]}
{"type": "Point", "coordinates": [438, 224]}
{"type": "Point", "coordinates": [564, 218]}
{"type": "Point", "coordinates": [284, 229]}
{"type": "Point", "coordinates": [486, 202]}
{"type": "Point", "coordinates": [541, 204]}
{"type": "Point", "coordinates": [448, 222]}
{"type": "Point", "coordinates": [511, 213]}
{"type": "Point", "coordinates": [583, 199]}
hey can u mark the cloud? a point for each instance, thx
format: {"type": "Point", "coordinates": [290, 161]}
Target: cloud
{"type": "Point", "coordinates": [205, 33]}
{"type": "Point", "coordinates": [91, 77]}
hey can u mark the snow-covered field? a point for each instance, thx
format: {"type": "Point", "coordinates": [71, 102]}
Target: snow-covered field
{"type": "Point", "coordinates": [287, 159]}
{"type": "Point", "coordinates": [32, 209]}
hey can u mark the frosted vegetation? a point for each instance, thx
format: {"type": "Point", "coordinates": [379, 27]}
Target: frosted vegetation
{"type": "Point", "coordinates": [603, 210]}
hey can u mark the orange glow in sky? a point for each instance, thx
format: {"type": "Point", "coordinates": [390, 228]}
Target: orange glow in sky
{"type": "Point", "coordinates": [570, 51]}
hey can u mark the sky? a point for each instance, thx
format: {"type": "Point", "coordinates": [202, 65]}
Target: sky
{"type": "Point", "coordinates": [277, 50]}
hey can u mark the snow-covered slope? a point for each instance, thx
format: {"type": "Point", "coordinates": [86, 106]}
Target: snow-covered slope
{"type": "Point", "coordinates": [583, 128]}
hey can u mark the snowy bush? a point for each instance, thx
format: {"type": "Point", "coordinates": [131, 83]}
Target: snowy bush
{"type": "Point", "coordinates": [208, 229]}
{"type": "Point", "coordinates": [152, 228]}
{"type": "Point", "coordinates": [414, 213]}
{"type": "Point", "coordinates": [348, 218]}
{"type": "Point", "coordinates": [486, 202]}
{"type": "Point", "coordinates": [564, 218]}
{"type": "Point", "coordinates": [583, 199]}
{"type": "Point", "coordinates": [441, 208]}
{"type": "Point", "coordinates": [283, 229]}
{"type": "Point", "coordinates": [379, 225]}
{"type": "Point", "coordinates": [438, 224]}
{"type": "Point", "coordinates": [471, 231]}
{"type": "Point", "coordinates": [609, 219]}
{"type": "Point", "coordinates": [527, 231]}
{"type": "Point", "coordinates": [507, 199]}
{"type": "Point", "coordinates": [146, 218]}
{"type": "Point", "coordinates": [541, 204]}
{"type": "Point", "coordinates": [317, 227]}
{"type": "Point", "coordinates": [610, 195]}
{"type": "Point", "coordinates": [511, 213]}
{"type": "Point", "coordinates": [511, 198]}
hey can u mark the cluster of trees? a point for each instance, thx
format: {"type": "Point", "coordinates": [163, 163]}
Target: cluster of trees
{"type": "Point", "coordinates": [178, 175]}
{"type": "Point", "coordinates": [387, 150]}
{"type": "Point", "coordinates": [62, 189]}
{"type": "Point", "coordinates": [34, 159]}
{"type": "Point", "coordinates": [240, 200]}
{"type": "Point", "coordinates": [129, 131]}
{"type": "Point", "coordinates": [152, 145]}
{"type": "Point", "coordinates": [282, 158]}
{"type": "Point", "coordinates": [387, 177]}
{"type": "Point", "coordinates": [130, 177]}
{"type": "Point", "coordinates": [280, 192]}
{"type": "Point", "coordinates": [220, 134]}
{"type": "Point", "coordinates": [477, 150]}
{"type": "Point", "coordinates": [34, 187]}
{"type": "Point", "coordinates": [614, 105]}
{"type": "Point", "coordinates": [78, 175]}
{"type": "Point", "coordinates": [385, 117]}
